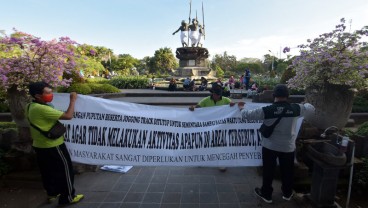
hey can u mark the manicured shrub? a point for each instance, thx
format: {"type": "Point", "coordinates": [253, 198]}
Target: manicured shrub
{"type": "Point", "coordinates": [80, 88]}
{"type": "Point", "coordinates": [129, 82]}
{"type": "Point", "coordinates": [92, 88]}
{"type": "Point", "coordinates": [7, 125]}
{"type": "Point", "coordinates": [102, 88]}
{"type": "Point", "coordinates": [98, 80]}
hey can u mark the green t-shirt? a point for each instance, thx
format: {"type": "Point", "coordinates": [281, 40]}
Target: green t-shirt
{"type": "Point", "coordinates": [209, 102]}
{"type": "Point", "coordinates": [44, 117]}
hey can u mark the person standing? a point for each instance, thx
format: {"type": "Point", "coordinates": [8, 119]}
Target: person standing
{"type": "Point", "coordinates": [215, 99]}
{"type": "Point", "coordinates": [183, 30]}
{"type": "Point", "coordinates": [247, 78]}
{"type": "Point", "coordinates": [281, 144]}
{"type": "Point", "coordinates": [52, 155]}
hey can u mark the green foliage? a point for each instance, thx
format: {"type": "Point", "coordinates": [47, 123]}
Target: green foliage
{"type": "Point", "coordinates": [129, 82]}
{"type": "Point", "coordinates": [89, 66]}
{"type": "Point", "coordinates": [288, 74]}
{"type": "Point", "coordinates": [297, 91]}
{"type": "Point", "coordinates": [4, 167]}
{"type": "Point", "coordinates": [281, 67]}
{"type": "Point", "coordinates": [254, 67]}
{"type": "Point", "coordinates": [8, 125]}
{"type": "Point", "coordinates": [360, 104]}
{"type": "Point", "coordinates": [126, 62]}
{"type": "Point", "coordinates": [98, 53]}
{"type": "Point", "coordinates": [163, 61]}
{"type": "Point", "coordinates": [362, 129]}
{"type": "Point", "coordinates": [337, 57]}
{"type": "Point", "coordinates": [4, 105]}
{"type": "Point", "coordinates": [98, 80]}
{"type": "Point", "coordinates": [80, 88]}
{"type": "Point", "coordinates": [266, 82]}
{"type": "Point", "coordinates": [92, 88]}
{"type": "Point", "coordinates": [102, 88]}
{"type": "Point", "coordinates": [361, 176]}
{"type": "Point", "coordinates": [74, 75]}
{"type": "Point", "coordinates": [219, 72]}
{"type": "Point", "coordinates": [224, 61]}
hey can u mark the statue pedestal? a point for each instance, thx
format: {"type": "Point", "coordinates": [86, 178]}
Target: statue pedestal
{"type": "Point", "coordinates": [192, 62]}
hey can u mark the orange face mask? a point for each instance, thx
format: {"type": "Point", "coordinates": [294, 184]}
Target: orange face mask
{"type": "Point", "coordinates": [48, 98]}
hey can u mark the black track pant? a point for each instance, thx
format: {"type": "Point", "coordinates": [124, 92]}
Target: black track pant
{"type": "Point", "coordinates": [286, 161]}
{"type": "Point", "coordinates": [57, 172]}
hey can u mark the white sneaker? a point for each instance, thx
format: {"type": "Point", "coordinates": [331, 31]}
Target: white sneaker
{"type": "Point", "coordinates": [288, 198]}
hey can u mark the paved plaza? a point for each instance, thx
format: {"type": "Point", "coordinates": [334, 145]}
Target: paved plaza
{"type": "Point", "coordinates": [153, 187]}
{"type": "Point", "coordinates": [159, 187]}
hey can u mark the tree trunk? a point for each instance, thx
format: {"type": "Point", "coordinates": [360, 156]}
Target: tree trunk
{"type": "Point", "coordinates": [333, 104]}
{"type": "Point", "coordinates": [17, 102]}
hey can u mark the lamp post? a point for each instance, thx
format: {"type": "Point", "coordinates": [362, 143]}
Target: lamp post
{"type": "Point", "coordinates": [273, 58]}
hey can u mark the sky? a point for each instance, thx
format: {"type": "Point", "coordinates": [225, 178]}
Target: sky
{"type": "Point", "coordinates": [243, 28]}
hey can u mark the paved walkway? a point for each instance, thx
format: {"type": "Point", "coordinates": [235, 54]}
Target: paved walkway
{"type": "Point", "coordinates": [161, 187]}
{"type": "Point", "coordinates": [151, 187]}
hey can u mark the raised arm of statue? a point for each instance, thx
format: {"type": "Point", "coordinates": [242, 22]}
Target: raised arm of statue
{"type": "Point", "coordinates": [182, 28]}
{"type": "Point", "coordinates": [177, 30]}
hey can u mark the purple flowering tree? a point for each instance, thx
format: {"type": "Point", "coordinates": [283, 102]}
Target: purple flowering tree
{"type": "Point", "coordinates": [330, 68]}
{"type": "Point", "coordinates": [26, 58]}
{"type": "Point", "coordinates": [337, 57]}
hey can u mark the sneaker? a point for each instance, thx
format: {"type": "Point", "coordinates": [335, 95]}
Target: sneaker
{"type": "Point", "coordinates": [75, 200]}
{"type": "Point", "coordinates": [51, 199]}
{"type": "Point", "coordinates": [258, 192]}
{"type": "Point", "coordinates": [288, 198]}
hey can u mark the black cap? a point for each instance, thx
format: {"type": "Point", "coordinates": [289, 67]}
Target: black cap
{"type": "Point", "coordinates": [216, 88]}
{"type": "Point", "coordinates": [281, 90]}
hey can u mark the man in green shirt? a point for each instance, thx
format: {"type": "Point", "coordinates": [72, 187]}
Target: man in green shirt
{"type": "Point", "coordinates": [52, 155]}
{"type": "Point", "coordinates": [215, 99]}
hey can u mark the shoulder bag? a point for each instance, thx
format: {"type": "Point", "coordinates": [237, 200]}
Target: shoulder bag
{"type": "Point", "coordinates": [267, 131]}
{"type": "Point", "coordinates": [56, 131]}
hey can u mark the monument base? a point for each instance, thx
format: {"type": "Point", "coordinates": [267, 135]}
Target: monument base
{"type": "Point", "coordinates": [192, 63]}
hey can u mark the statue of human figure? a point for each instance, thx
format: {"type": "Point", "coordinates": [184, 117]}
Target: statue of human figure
{"type": "Point", "coordinates": [200, 36]}
{"type": "Point", "coordinates": [183, 33]}
{"type": "Point", "coordinates": [193, 32]}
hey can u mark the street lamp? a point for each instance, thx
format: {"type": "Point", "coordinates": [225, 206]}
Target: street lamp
{"type": "Point", "coordinates": [273, 58]}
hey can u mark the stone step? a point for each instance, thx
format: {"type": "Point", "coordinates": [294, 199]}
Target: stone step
{"type": "Point", "coordinates": [162, 93]}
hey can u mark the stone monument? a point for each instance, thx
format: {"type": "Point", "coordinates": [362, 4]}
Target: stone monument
{"type": "Point", "coordinates": [192, 60]}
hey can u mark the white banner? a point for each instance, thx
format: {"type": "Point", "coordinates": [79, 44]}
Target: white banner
{"type": "Point", "coordinates": [106, 132]}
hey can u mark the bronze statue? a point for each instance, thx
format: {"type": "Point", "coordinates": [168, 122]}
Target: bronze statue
{"type": "Point", "coordinates": [183, 29]}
